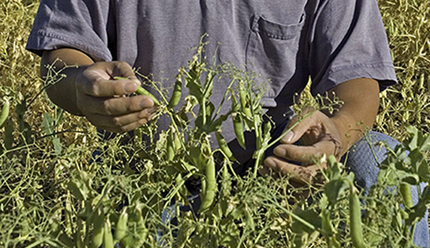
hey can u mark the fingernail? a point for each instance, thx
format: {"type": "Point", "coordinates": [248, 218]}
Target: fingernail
{"type": "Point", "coordinates": [136, 81]}
{"type": "Point", "coordinates": [145, 103]}
{"type": "Point", "coordinates": [270, 163]}
{"type": "Point", "coordinates": [130, 88]}
{"type": "Point", "coordinates": [288, 137]}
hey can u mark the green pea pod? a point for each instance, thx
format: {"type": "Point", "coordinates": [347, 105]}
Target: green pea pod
{"type": "Point", "coordinates": [238, 130]}
{"type": "Point", "coordinates": [209, 191]}
{"type": "Point", "coordinates": [355, 220]}
{"type": "Point", "coordinates": [98, 231]}
{"type": "Point", "coordinates": [405, 191]}
{"type": "Point", "coordinates": [177, 144]}
{"type": "Point", "coordinates": [121, 225]}
{"type": "Point", "coordinates": [141, 229]}
{"type": "Point", "coordinates": [176, 95]}
{"type": "Point", "coordinates": [170, 149]}
{"type": "Point", "coordinates": [4, 112]}
{"type": "Point", "coordinates": [224, 146]}
{"type": "Point", "coordinates": [237, 122]}
{"type": "Point", "coordinates": [142, 91]}
{"type": "Point", "coordinates": [243, 101]}
{"type": "Point", "coordinates": [235, 107]}
{"type": "Point", "coordinates": [107, 235]}
{"type": "Point", "coordinates": [127, 241]}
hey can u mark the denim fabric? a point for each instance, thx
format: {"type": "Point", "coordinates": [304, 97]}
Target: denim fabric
{"type": "Point", "coordinates": [364, 163]}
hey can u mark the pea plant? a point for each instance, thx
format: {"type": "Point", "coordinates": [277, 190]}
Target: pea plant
{"type": "Point", "coordinates": [140, 188]}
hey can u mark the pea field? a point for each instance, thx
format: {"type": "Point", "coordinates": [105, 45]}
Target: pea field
{"type": "Point", "coordinates": [61, 185]}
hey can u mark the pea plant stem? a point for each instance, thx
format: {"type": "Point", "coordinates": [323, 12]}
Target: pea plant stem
{"type": "Point", "coordinates": [260, 152]}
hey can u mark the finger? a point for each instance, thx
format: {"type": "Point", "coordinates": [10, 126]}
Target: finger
{"type": "Point", "coordinates": [122, 69]}
{"type": "Point", "coordinates": [305, 154]}
{"type": "Point", "coordinates": [122, 105]}
{"type": "Point", "coordinates": [98, 80]}
{"type": "Point", "coordinates": [297, 173]}
{"type": "Point", "coordinates": [299, 125]}
{"type": "Point", "coordinates": [121, 124]}
{"type": "Point", "coordinates": [109, 87]}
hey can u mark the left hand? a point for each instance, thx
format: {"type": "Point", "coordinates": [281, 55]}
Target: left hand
{"type": "Point", "coordinates": [318, 134]}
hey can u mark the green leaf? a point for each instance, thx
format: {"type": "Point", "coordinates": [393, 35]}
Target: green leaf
{"type": "Point", "coordinates": [426, 144]}
{"type": "Point", "coordinates": [47, 122]}
{"type": "Point", "coordinates": [58, 147]}
{"type": "Point", "coordinates": [335, 189]}
{"type": "Point", "coordinates": [48, 129]}
{"type": "Point", "coordinates": [194, 86]}
{"type": "Point", "coordinates": [216, 124]}
{"type": "Point", "coordinates": [413, 141]}
{"type": "Point", "coordinates": [334, 169]}
{"type": "Point", "coordinates": [420, 208]}
{"type": "Point", "coordinates": [423, 171]}
{"type": "Point", "coordinates": [207, 91]}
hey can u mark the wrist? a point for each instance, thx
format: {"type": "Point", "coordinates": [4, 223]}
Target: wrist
{"type": "Point", "coordinates": [350, 130]}
{"type": "Point", "coordinates": [63, 91]}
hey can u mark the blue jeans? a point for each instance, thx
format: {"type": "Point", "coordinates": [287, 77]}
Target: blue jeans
{"type": "Point", "coordinates": [364, 163]}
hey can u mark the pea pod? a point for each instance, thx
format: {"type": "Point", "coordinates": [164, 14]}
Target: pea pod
{"type": "Point", "coordinates": [243, 101]}
{"type": "Point", "coordinates": [209, 185]}
{"type": "Point", "coordinates": [4, 112]}
{"type": "Point", "coordinates": [121, 225]}
{"type": "Point", "coordinates": [224, 146]}
{"type": "Point", "coordinates": [209, 191]}
{"type": "Point", "coordinates": [237, 123]}
{"type": "Point", "coordinates": [355, 220]}
{"type": "Point", "coordinates": [98, 230]}
{"type": "Point", "coordinates": [142, 91]}
{"type": "Point", "coordinates": [170, 149]}
{"type": "Point", "coordinates": [238, 131]}
{"type": "Point", "coordinates": [176, 95]}
{"type": "Point", "coordinates": [405, 191]}
{"type": "Point", "coordinates": [107, 235]}
{"type": "Point", "coordinates": [141, 229]}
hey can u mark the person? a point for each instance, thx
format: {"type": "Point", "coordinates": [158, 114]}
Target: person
{"type": "Point", "coordinates": [340, 45]}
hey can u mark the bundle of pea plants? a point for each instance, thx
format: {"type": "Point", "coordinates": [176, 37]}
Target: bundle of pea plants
{"type": "Point", "coordinates": [138, 193]}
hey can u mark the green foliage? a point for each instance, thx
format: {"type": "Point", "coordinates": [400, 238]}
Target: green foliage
{"type": "Point", "coordinates": [407, 24]}
{"type": "Point", "coordinates": [51, 197]}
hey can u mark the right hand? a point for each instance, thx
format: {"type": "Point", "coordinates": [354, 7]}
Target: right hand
{"type": "Point", "coordinates": [101, 99]}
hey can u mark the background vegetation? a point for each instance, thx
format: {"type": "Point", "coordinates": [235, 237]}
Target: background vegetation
{"type": "Point", "coordinates": [42, 146]}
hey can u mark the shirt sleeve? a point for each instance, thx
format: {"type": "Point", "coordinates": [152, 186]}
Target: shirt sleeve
{"type": "Point", "coordinates": [79, 24]}
{"type": "Point", "coordinates": [348, 41]}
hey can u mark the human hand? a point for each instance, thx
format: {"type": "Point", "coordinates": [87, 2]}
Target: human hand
{"type": "Point", "coordinates": [318, 135]}
{"type": "Point", "coordinates": [101, 99]}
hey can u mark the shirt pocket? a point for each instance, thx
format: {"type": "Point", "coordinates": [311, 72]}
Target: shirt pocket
{"type": "Point", "coordinates": [271, 53]}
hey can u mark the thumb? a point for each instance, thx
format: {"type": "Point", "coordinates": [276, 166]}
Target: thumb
{"type": "Point", "coordinates": [298, 125]}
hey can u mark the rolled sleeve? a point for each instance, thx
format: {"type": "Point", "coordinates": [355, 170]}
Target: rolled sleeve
{"type": "Point", "coordinates": [348, 41]}
{"type": "Point", "coordinates": [75, 24]}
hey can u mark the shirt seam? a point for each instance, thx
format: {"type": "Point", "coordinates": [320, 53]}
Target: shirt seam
{"type": "Point", "coordinates": [74, 43]}
{"type": "Point", "coordinates": [330, 83]}
{"type": "Point", "coordinates": [360, 65]}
